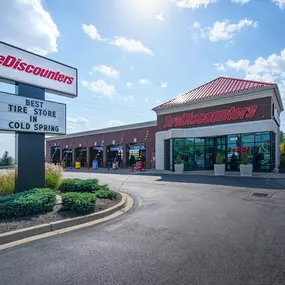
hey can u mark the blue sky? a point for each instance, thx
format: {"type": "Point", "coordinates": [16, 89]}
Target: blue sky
{"type": "Point", "coordinates": [135, 54]}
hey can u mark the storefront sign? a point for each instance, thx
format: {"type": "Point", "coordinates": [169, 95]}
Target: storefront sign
{"type": "Point", "coordinates": [22, 114]}
{"type": "Point", "coordinates": [17, 65]}
{"type": "Point", "coordinates": [137, 147]}
{"type": "Point", "coordinates": [116, 148]}
{"type": "Point", "coordinates": [190, 119]}
{"type": "Point", "coordinates": [99, 148]}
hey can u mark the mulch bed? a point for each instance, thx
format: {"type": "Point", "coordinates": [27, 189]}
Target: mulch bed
{"type": "Point", "coordinates": [11, 224]}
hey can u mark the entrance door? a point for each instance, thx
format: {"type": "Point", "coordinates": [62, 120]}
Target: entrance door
{"type": "Point", "coordinates": [96, 153]}
{"type": "Point", "coordinates": [213, 146]}
{"type": "Point", "coordinates": [210, 155]}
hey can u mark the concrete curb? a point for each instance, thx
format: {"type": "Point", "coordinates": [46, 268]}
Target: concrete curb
{"type": "Point", "coordinates": [45, 228]}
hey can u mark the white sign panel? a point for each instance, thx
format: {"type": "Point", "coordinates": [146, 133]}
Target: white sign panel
{"type": "Point", "coordinates": [23, 114]}
{"type": "Point", "coordinates": [18, 65]}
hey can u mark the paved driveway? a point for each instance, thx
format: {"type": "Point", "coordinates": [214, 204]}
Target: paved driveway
{"type": "Point", "coordinates": [182, 230]}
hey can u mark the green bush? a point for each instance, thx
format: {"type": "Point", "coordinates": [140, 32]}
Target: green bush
{"type": "Point", "coordinates": [7, 182]}
{"type": "Point", "coordinates": [245, 160]}
{"type": "Point", "coordinates": [53, 175]}
{"type": "Point", "coordinates": [78, 185]}
{"type": "Point", "coordinates": [106, 193]}
{"type": "Point", "coordinates": [79, 202]}
{"type": "Point", "coordinates": [219, 159]}
{"type": "Point", "coordinates": [178, 159]}
{"type": "Point", "coordinates": [30, 202]}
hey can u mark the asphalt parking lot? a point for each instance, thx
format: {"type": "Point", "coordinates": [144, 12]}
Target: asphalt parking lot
{"type": "Point", "coordinates": [182, 230]}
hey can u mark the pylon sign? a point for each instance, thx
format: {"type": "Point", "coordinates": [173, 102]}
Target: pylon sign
{"type": "Point", "coordinates": [23, 114]}
{"type": "Point", "coordinates": [18, 65]}
{"type": "Point", "coordinates": [27, 113]}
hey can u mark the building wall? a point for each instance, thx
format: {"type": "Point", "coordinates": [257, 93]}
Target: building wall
{"type": "Point", "coordinates": [122, 137]}
{"type": "Point", "coordinates": [244, 111]}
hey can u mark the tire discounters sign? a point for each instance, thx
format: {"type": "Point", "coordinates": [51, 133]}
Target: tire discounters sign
{"type": "Point", "coordinates": [22, 114]}
{"type": "Point", "coordinates": [18, 65]}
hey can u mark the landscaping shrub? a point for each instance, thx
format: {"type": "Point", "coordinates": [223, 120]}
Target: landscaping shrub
{"type": "Point", "coordinates": [7, 182]}
{"type": "Point", "coordinates": [219, 159]}
{"type": "Point", "coordinates": [78, 185]}
{"type": "Point", "coordinates": [79, 202]}
{"type": "Point", "coordinates": [30, 202]}
{"type": "Point", "coordinates": [105, 193]}
{"type": "Point", "coordinates": [245, 159]}
{"type": "Point", "coordinates": [53, 175]}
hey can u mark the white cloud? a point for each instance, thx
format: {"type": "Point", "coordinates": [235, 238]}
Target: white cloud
{"type": "Point", "coordinates": [223, 30]}
{"type": "Point", "coordinates": [146, 100]}
{"type": "Point", "coordinates": [77, 120]}
{"type": "Point", "coordinates": [129, 98]}
{"type": "Point", "coordinates": [130, 84]}
{"type": "Point", "coordinates": [196, 25]}
{"type": "Point", "coordinates": [127, 45]}
{"type": "Point", "coordinates": [84, 83]}
{"type": "Point", "coordinates": [160, 17]}
{"type": "Point", "coordinates": [107, 70]}
{"type": "Point", "coordinates": [163, 84]}
{"type": "Point", "coordinates": [144, 82]}
{"type": "Point", "coordinates": [274, 64]}
{"type": "Point", "coordinates": [193, 4]}
{"type": "Point", "coordinates": [131, 46]}
{"type": "Point", "coordinates": [28, 25]}
{"type": "Point", "coordinates": [220, 66]}
{"type": "Point", "coordinates": [116, 123]}
{"type": "Point", "coordinates": [240, 1]}
{"type": "Point", "coordinates": [279, 3]}
{"type": "Point", "coordinates": [265, 77]}
{"type": "Point", "coordinates": [157, 101]}
{"type": "Point", "coordinates": [100, 87]}
{"type": "Point", "coordinates": [270, 69]}
{"type": "Point", "coordinates": [91, 31]}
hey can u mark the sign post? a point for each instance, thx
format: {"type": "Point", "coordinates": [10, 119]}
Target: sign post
{"type": "Point", "coordinates": [30, 149]}
{"type": "Point", "coordinates": [27, 113]}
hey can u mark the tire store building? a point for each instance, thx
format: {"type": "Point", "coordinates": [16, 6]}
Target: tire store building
{"type": "Point", "coordinates": [227, 116]}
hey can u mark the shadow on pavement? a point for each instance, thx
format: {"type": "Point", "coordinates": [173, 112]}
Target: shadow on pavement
{"type": "Point", "coordinates": [245, 182]}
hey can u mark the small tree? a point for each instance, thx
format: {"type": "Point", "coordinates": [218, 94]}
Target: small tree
{"type": "Point", "coordinates": [178, 159]}
{"type": "Point", "coordinates": [6, 160]}
{"type": "Point", "coordinates": [245, 160]}
{"type": "Point", "coordinates": [219, 159]}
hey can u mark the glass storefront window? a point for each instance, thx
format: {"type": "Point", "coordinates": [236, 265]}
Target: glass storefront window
{"type": "Point", "coordinates": [179, 149]}
{"type": "Point", "coordinates": [247, 138]}
{"type": "Point", "coordinates": [200, 153]}
{"type": "Point", "coordinates": [260, 137]}
{"type": "Point", "coordinates": [234, 157]}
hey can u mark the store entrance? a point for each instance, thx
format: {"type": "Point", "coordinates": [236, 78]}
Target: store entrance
{"type": "Point", "coordinates": [96, 153]}
{"type": "Point", "coordinates": [55, 154]}
{"type": "Point", "coordinates": [199, 153]}
{"type": "Point", "coordinates": [213, 146]}
{"type": "Point", "coordinates": [67, 157]}
{"type": "Point", "coordinates": [80, 155]}
{"type": "Point", "coordinates": [114, 154]}
{"type": "Point", "coordinates": [135, 153]}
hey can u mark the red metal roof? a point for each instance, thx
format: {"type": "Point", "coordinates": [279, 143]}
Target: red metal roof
{"type": "Point", "coordinates": [216, 88]}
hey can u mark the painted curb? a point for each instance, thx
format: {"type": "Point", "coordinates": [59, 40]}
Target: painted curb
{"type": "Point", "coordinates": [41, 229]}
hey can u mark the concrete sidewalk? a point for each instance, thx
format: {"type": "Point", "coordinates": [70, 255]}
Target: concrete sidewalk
{"type": "Point", "coordinates": [128, 171]}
